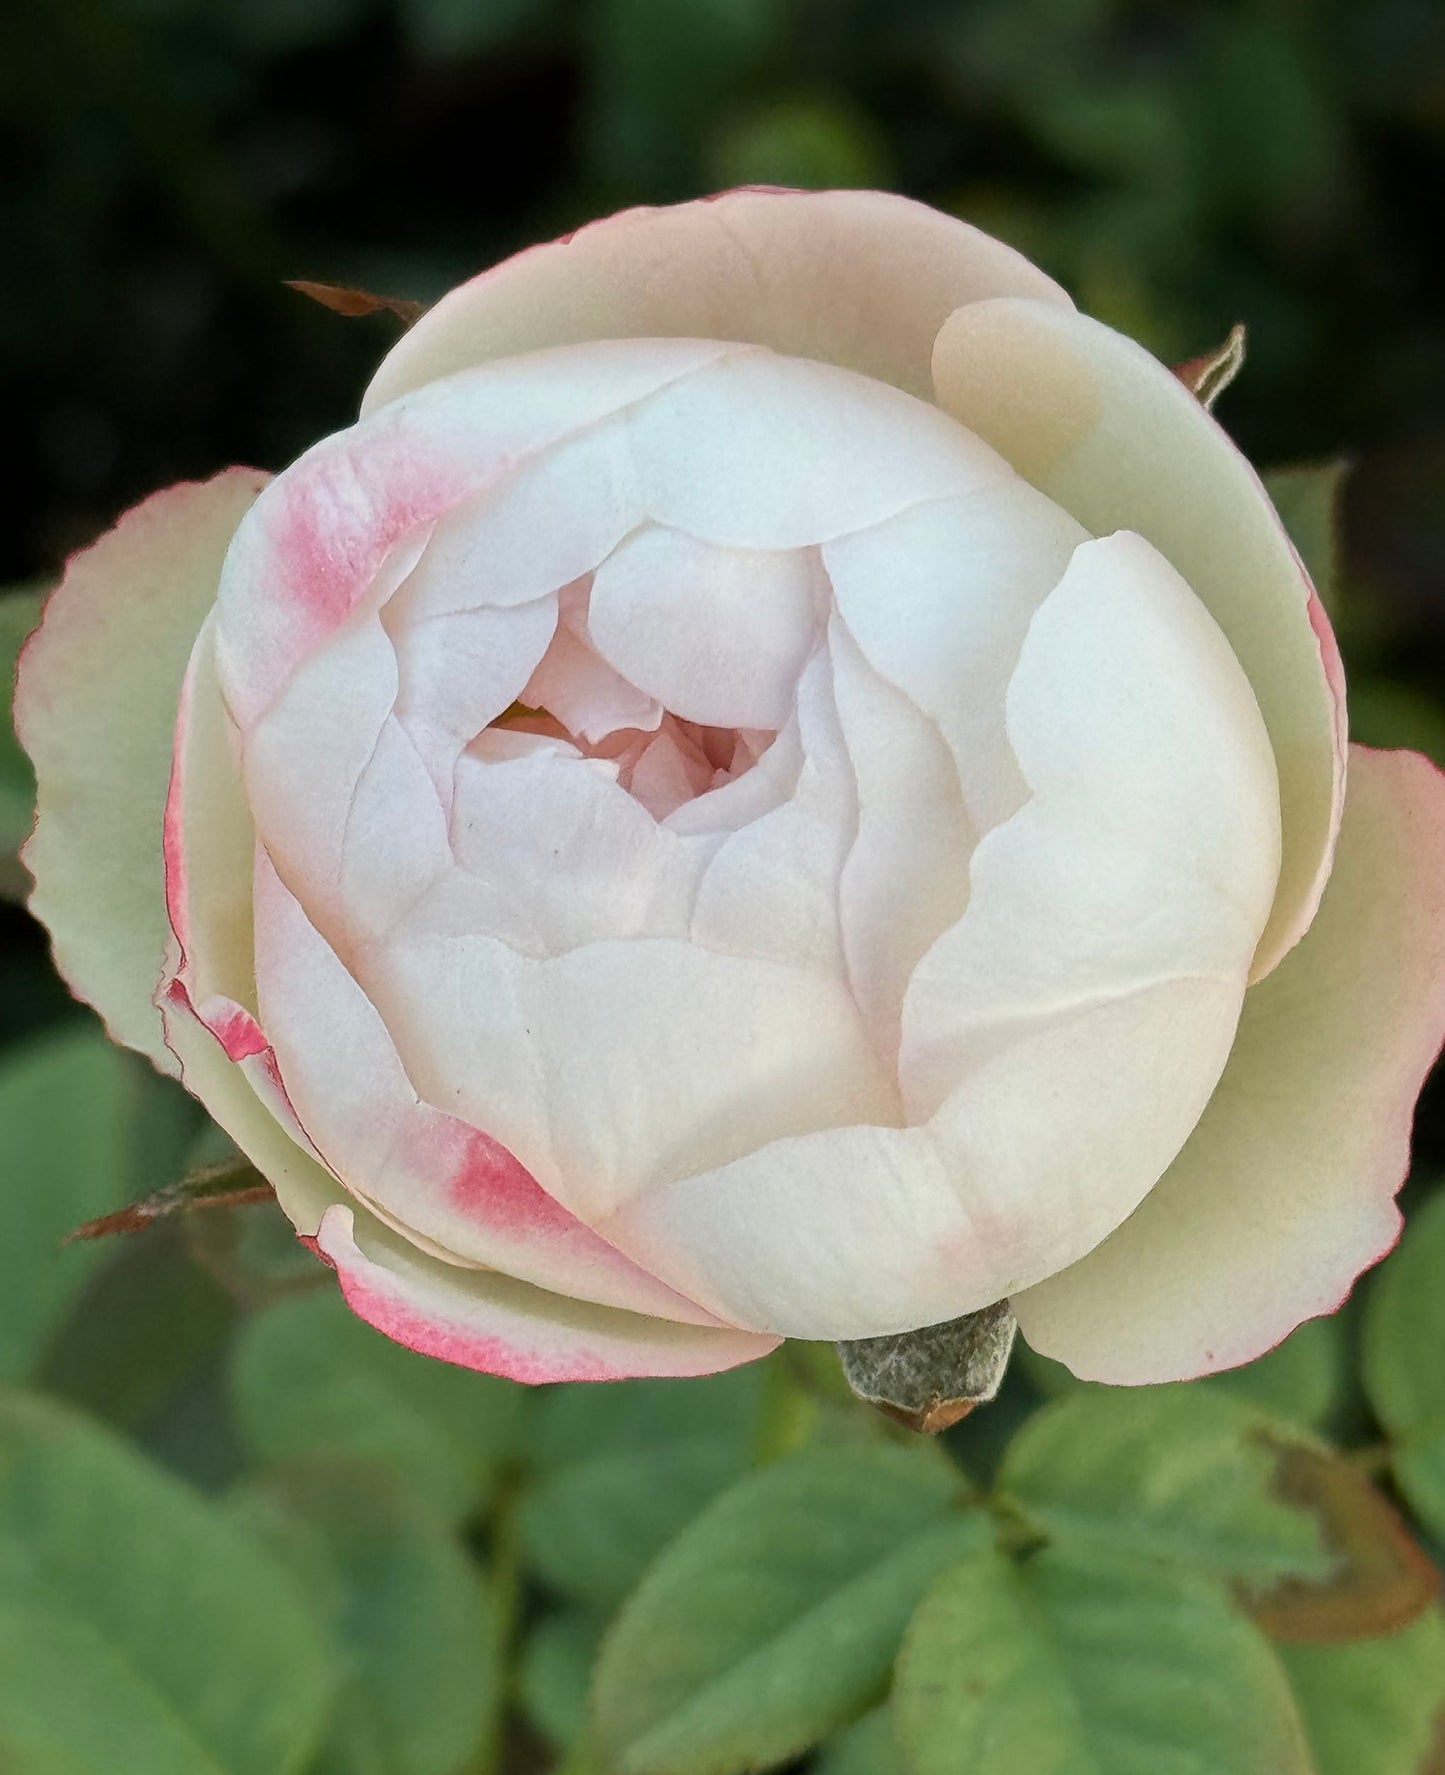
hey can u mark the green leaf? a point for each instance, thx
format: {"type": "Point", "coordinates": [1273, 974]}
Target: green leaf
{"type": "Point", "coordinates": [1307, 500]}
{"type": "Point", "coordinates": [1376, 1707]}
{"type": "Point", "coordinates": [814, 142]}
{"type": "Point", "coordinates": [309, 1377]}
{"type": "Point", "coordinates": [73, 1111]}
{"type": "Point", "coordinates": [620, 1469]}
{"type": "Point", "coordinates": [19, 613]}
{"type": "Point", "coordinates": [1206, 1482]}
{"type": "Point", "coordinates": [773, 1619]}
{"type": "Point", "coordinates": [411, 1620]}
{"type": "Point", "coordinates": [1083, 1663]}
{"type": "Point", "coordinates": [141, 1631]}
{"type": "Point", "coordinates": [868, 1747]}
{"type": "Point", "coordinates": [1186, 1478]}
{"type": "Point", "coordinates": [1404, 1378]}
{"type": "Point", "coordinates": [554, 1673]}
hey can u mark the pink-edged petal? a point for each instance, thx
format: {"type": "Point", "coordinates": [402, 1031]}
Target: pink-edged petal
{"type": "Point", "coordinates": [621, 1063]}
{"type": "Point", "coordinates": [95, 706]}
{"type": "Point", "coordinates": [1285, 1191]}
{"type": "Point", "coordinates": [436, 1175]}
{"type": "Point", "coordinates": [858, 278]}
{"type": "Point", "coordinates": [1114, 437]}
{"type": "Point", "coordinates": [502, 1326]}
{"type": "Point", "coordinates": [717, 635]}
{"type": "Point", "coordinates": [316, 546]}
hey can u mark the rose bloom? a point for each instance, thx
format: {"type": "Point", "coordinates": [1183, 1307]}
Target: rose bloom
{"type": "Point", "coordinates": [778, 782]}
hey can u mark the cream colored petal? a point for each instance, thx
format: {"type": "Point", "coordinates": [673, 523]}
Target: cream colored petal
{"type": "Point", "coordinates": [858, 278]}
{"type": "Point", "coordinates": [95, 707]}
{"type": "Point", "coordinates": [1116, 439]}
{"type": "Point", "coordinates": [1284, 1193]}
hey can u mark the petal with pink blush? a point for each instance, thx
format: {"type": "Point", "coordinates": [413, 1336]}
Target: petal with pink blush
{"type": "Point", "coordinates": [1115, 438]}
{"type": "Point", "coordinates": [583, 690]}
{"type": "Point", "coordinates": [501, 1326]}
{"type": "Point", "coordinates": [1284, 1192]}
{"type": "Point", "coordinates": [436, 1175]}
{"type": "Point", "coordinates": [718, 635]}
{"type": "Point", "coordinates": [859, 278]}
{"type": "Point", "coordinates": [95, 708]}
{"type": "Point", "coordinates": [315, 547]}
{"type": "Point", "coordinates": [621, 1063]}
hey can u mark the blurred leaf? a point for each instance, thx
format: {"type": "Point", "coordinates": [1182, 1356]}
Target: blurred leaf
{"type": "Point", "coordinates": [661, 72]}
{"type": "Point", "coordinates": [19, 613]}
{"type": "Point", "coordinates": [817, 143]}
{"type": "Point", "coordinates": [454, 30]}
{"type": "Point", "coordinates": [620, 1469]}
{"type": "Point", "coordinates": [1376, 1707]}
{"type": "Point", "coordinates": [309, 1377]}
{"type": "Point", "coordinates": [869, 1747]}
{"type": "Point", "coordinates": [1389, 715]}
{"type": "Point", "coordinates": [554, 1673]}
{"type": "Point", "coordinates": [773, 1618]}
{"type": "Point", "coordinates": [1208, 1483]}
{"type": "Point", "coordinates": [1083, 1663]}
{"type": "Point", "coordinates": [141, 1632]}
{"type": "Point", "coordinates": [74, 1111]}
{"type": "Point", "coordinates": [141, 1327]}
{"type": "Point", "coordinates": [253, 1252]}
{"type": "Point", "coordinates": [411, 1620]}
{"type": "Point", "coordinates": [1403, 1370]}
{"type": "Point", "coordinates": [1307, 498]}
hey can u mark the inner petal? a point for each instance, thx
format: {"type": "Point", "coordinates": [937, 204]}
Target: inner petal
{"type": "Point", "coordinates": [717, 634]}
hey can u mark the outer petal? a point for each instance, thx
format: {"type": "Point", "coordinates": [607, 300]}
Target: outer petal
{"type": "Point", "coordinates": [95, 707]}
{"type": "Point", "coordinates": [504, 1327]}
{"type": "Point", "coordinates": [858, 278]}
{"type": "Point", "coordinates": [436, 1175]}
{"type": "Point", "coordinates": [1284, 1192]}
{"type": "Point", "coordinates": [1103, 428]}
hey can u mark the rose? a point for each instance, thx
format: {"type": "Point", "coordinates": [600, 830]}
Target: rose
{"type": "Point", "coordinates": [778, 782]}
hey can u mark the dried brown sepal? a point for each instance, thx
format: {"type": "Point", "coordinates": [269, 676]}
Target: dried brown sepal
{"type": "Point", "coordinates": [342, 299]}
{"type": "Point", "coordinates": [231, 1185]}
{"type": "Point", "coordinates": [929, 1379]}
{"type": "Point", "coordinates": [1383, 1579]}
{"type": "Point", "coordinates": [1208, 375]}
